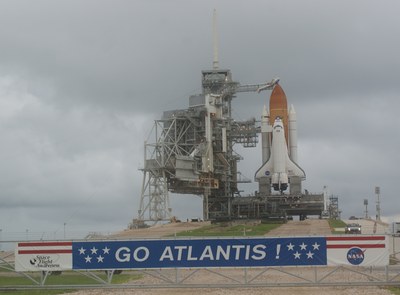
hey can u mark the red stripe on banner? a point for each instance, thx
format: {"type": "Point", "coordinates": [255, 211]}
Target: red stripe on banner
{"type": "Point", "coordinates": [44, 251]}
{"type": "Point", "coordinates": [353, 238]}
{"type": "Point", "coordinates": [43, 244]}
{"type": "Point", "coordinates": [355, 245]}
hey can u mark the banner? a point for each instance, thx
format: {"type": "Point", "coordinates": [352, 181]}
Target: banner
{"type": "Point", "coordinates": [38, 256]}
{"type": "Point", "coordinates": [202, 253]}
{"type": "Point", "coordinates": [358, 250]}
{"type": "Point", "coordinates": [199, 253]}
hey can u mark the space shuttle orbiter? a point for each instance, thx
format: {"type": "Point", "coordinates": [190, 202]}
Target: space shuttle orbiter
{"type": "Point", "coordinates": [279, 166]}
{"type": "Point", "coordinates": [279, 147]}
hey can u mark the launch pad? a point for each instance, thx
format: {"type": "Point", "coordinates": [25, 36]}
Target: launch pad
{"type": "Point", "coordinates": [192, 152]}
{"type": "Point", "coordinates": [278, 207]}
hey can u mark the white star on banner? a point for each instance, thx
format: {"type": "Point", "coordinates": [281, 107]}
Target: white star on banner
{"type": "Point", "coordinates": [303, 246]}
{"type": "Point", "coordinates": [310, 255]}
{"type": "Point", "coordinates": [106, 250]}
{"type": "Point", "coordinates": [93, 250]}
{"type": "Point", "coordinates": [316, 246]}
{"type": "Point", "coordinates": [100, 259]}
{"type": "Point", "coordinates": [297, 255]}
{"type": "Point", "coordinates": [290, 247]}
{"type": "Point", "coordinates": [88, 259]}
{"type": "Point", "coordinates": [82, 251]}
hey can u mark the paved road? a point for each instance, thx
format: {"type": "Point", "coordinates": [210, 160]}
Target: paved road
{"type": "Point", "coordinates": [369, 227]}
{"type": "Point", "coordinates": [302, 228]}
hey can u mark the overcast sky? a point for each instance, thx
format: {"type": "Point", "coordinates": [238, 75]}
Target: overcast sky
{"type": "Point", "coordinates": [81, 83]}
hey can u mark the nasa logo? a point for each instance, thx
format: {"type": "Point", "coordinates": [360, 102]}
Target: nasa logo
{"type": "Point", "coordinates": [355, 256]}
{"type": "Point", "coordinates": [267, 173]}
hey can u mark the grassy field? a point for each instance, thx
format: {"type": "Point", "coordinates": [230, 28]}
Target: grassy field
{"type": "Point", "coordinates": [36, 292]}
{"type": "Point", "coordinates": [394, 290]}
{"type": "Point", "coordinates": [230, 231]}
{"type": "Point", "coordinates": [66, 278]}
{"type": "Point", "coordinates": [336, 223]}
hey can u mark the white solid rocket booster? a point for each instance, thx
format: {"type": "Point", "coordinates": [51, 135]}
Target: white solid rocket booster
{"type": "Point", "coordinates": [265, 135]}
{"type": "Point", "coordinates": [292, 134]}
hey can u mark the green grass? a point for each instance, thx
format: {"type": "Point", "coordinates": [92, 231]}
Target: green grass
{"type": "Point", "coordinates": [394, 290]}
{"type": "Point", "coordinates": [229, 231]}
{"type": "Point", "coordinates": [66, 278]}
{"type": "Point", "coordinates": [36, 292]}
{"type": "Point", "coordinates": [336, 223]}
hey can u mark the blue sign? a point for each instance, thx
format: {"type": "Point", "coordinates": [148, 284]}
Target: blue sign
{"type": "Point", "coordinates": [192, 253]}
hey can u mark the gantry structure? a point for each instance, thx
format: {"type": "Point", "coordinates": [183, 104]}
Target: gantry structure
{"type": "Point", "coordinates": [192, 150]}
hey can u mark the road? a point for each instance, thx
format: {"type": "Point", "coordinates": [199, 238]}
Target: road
{"type": "Point", "coordinates": [302, 228]}
{"type": "Point", "coordinates": [369, 226]}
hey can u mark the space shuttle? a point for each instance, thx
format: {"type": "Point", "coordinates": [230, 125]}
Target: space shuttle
{"type": "Point", "coordinates": [280, 169]}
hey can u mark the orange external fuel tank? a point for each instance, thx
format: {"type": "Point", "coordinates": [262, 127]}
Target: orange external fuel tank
{"type": "Point", "coordinates": [278, 108]}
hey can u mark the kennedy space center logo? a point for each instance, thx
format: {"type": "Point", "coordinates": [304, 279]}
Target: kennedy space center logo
{"type": "Point", "coordinates": [355, 256]}
{"type": "Point", "coordinates": [44, 261]}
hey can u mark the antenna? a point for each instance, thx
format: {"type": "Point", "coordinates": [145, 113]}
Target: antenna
{"type": "Point", "coordinates": [215, 41]}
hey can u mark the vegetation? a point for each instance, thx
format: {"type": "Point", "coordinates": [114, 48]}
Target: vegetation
{"type": "Point", "coordinates": [394, 290]}
{"type": "Point", "coordinates": [36, 292]}
{"type": "Point", "coordinates": [336, 223]}
{"type": "Point", "coordinates": [66, 278]}
{"type": "Point", "coordinates": [224, 229]}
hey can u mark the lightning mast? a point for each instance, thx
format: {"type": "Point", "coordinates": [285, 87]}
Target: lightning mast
{"type": "Point", "coordinates": [215, 41]}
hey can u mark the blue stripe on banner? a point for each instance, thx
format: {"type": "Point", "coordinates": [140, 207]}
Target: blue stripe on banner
{"type": "Point", "coordinates": [147, 254]}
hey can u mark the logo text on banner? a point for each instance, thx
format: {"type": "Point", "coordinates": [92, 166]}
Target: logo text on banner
{"type": "Point", "coordinates": [39, 256]}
